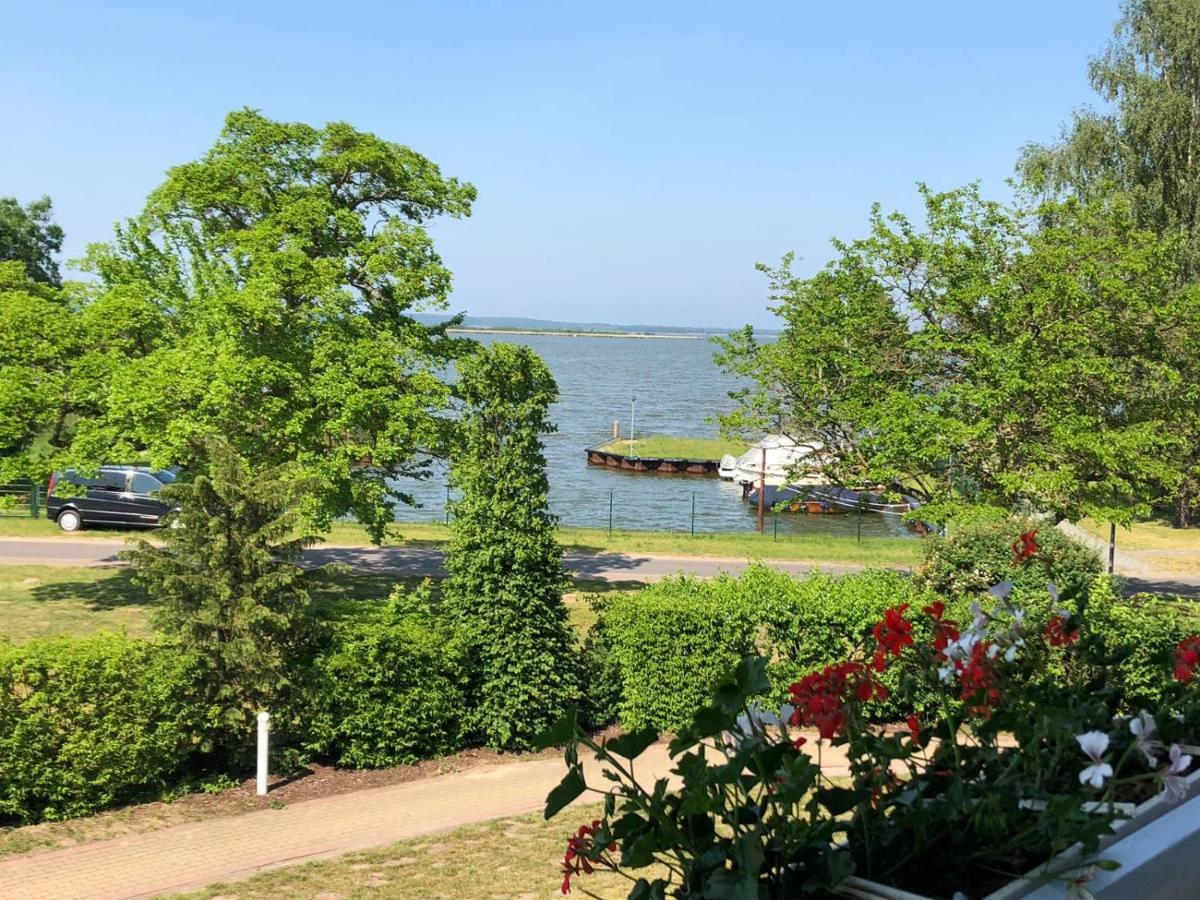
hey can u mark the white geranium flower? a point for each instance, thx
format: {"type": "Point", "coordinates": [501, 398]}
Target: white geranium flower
{"type": "Point", "coordinates": [1145, 731]}
{"type": "Point", "coordinates": [1094, 744]}
{"type": "Point", "coordinates": [1000, 591]}
{"type": "Point", "coordinates": [1076, 889]}
{"type": "Point", "coordinates": [1174, 780]}
{"type": "Point", "coordinates": [1052, 589]}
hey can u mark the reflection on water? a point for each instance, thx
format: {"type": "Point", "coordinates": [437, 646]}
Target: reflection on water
{"type": "Point", "coordinates": [677, 390]}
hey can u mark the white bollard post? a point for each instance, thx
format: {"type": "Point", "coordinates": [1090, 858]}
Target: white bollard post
{"type": "Point", "coordinates": [264, 730]}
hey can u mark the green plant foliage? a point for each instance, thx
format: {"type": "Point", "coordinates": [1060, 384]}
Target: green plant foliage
{"type": "Point", "coordinates": [89, 723]}
{"type": "Point", "coordinates": [979, 555]}
{"type": "Point", "coordinates": [229, 586]}
{"type": "Point", "coordinates": [1038, 376]}
{"type": "Point", "coordinates": [265, 295]}
{"type": "Point", "coordinates": [667, 646]}
{"type": "Point", "coordinates": [29, 236]}
{"type": "Point", "coordinates": [389, 691]}
{"type": "Point", "coordinates": [506, 575]}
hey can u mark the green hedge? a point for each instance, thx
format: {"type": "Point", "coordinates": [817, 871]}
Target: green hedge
{"type": "Point", "coordinates": [977, 556]}
{"type": "Point", "coordinates": [91, 722]}
{"type": "Point", "coordinates": [669, 645]}
{"type": "Point", "coordinates": [388, 692]}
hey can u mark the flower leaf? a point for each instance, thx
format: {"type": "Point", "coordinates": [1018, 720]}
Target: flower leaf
{"type": "Point", "coordinates": [568, 789]}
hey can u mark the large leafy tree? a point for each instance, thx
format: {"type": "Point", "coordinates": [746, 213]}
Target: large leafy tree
{"type": "Point", "coordinates": [1145, 142]}
{"type": "Point", "coordinates": [265, 294]}
{"type": "Point", "coordinates": [989, 358]}
{"type": "Point", "coordinates": [30, 236]}
{"type": "Point", "coordinates": [506, 574]}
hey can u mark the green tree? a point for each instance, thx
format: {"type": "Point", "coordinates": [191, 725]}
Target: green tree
{"type": "Point", "coordinates": [992, 357]}
{"type": "Point", "coordinates": [227, 580]}
{"type": "Point", "coordinates": [266, 295]}
{"type": "Point", "coordinates": [1146, 143]}
{"type": "Point", "coordinates": [40, 338]}
{"type": "Point", "coordinates": [29, 236]}
{"type": "Point", "coordinates": [505, 564]}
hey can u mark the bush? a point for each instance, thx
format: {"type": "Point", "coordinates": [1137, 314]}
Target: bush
{"type": "Point", "coordinates": [671, 643]}
{"type": "Point", "coordinates": [389, 692]}
{"type": "Point", "coordinates": [977, 556]}
{"type": "Point", "coordinates": [92, 722]}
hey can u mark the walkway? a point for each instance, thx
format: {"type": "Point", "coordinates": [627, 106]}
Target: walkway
{"type": "Point", "coordinates": [191, 856]}
{"type": "Point", "coordinates": [410, 561]}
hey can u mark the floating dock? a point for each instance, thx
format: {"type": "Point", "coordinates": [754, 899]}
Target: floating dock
{"type": "Point", "coordinates": [596, 457]}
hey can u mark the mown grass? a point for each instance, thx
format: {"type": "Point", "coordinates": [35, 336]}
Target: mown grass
{"type": "Point", "coordinates": [875, 551]}
{"type": "Point", "coordinates": [667, 447]}
{"type": "Point", "coordinates": [510, 857]}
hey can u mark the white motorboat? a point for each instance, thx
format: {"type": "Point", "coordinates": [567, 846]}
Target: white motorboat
{"type": "Point", "coordinates": [784, 462]}
{"type": "Point", "coordinates": [727, 468]}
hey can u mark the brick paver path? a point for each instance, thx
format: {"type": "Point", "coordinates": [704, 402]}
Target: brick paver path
{"type": "Point", "coordinates": [190, 856]}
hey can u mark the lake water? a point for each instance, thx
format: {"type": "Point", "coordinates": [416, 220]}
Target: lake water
{"type": "Point", "coordinates": [677, 390]}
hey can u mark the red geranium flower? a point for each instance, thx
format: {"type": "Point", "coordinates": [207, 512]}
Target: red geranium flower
{"type": "Point", "coordinates": [1025, 547]}
{"type": "Point", "coordinates": [893, 634]}
{"type": "Point", "coordinates": [1187, 655]}
{"type": "Point", "coordinates": [576, 860]}
{"type": "Point", "coordinates": [1057, 634]}
{"type": "Point", "coordinates": [914, 727]}
{"type": "Point", "coordinates": [819, 697]}
{"type": "Point", "coordinates": [978, 674]}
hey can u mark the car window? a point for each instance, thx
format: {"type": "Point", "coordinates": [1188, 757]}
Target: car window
{"type": "Point", "coordinates": [142, 483]}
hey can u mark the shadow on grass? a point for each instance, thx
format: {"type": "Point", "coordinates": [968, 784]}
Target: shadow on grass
{"type": "Point", "coordinates": [112, 590]}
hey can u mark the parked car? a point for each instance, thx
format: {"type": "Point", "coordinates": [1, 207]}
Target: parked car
{"type": "Point", "coordinates": [124, 496]}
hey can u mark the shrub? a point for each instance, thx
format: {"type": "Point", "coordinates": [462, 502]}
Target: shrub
{"type": "Point", "coordinates": [671, 643]}
{"type": "Point", "coordinates": [92, 722]}
{"type": "Point", "coordinates": [389, 691]}
{"type": "Point", "coordinates": [979, 555]}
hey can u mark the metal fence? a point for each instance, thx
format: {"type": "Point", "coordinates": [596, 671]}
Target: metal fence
{"type": "Point", "coordinates": [26, 501]}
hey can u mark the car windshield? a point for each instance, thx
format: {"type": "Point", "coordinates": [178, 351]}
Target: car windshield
{"type": "Point", "coordinates": [144, 483]}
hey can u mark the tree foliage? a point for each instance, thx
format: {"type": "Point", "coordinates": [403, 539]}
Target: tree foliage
{"type": "Point", "coordinates": [228, 583]}
{"type": "Point", "coordinates": [506, 575]}
{"type": "Point", "coordinates": [29, 236]}
{"type": "Point", "coordinates": [1145, 143]}
{"type": "Point", "coordinates": [265, 295]}
{"type": "Point", "coordinates": [994, 357]}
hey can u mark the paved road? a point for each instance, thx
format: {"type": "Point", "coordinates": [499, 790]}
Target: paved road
{"type": "Point", "coordinates": [405, 561]}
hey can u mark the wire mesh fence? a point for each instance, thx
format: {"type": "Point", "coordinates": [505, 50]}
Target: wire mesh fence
{"type": "Point", "coordinates": [22, 500]}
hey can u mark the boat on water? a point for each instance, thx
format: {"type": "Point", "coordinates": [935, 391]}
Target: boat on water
{"type": "Point", "coordinates": [827, 498]}
{"type": "Point", "coordinates": [776, 459]}
{"type": "Point", "coordinates": [727, 468]}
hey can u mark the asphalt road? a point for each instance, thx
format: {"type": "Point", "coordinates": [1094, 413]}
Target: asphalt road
{"type": "Point", "coordinates": [421, 562]}
{"type": "Point", "coordinates": [404, 561]}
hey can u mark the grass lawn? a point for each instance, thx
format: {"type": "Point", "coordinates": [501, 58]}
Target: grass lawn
{"type": "Point", "coordinates": [898, 551]}
{"type": "Point", "coordinates": [1155, 542]}
{"type": "Point", "coordinates": [511, 857]}
{"type": "Point", "coordinates": [667, 447]}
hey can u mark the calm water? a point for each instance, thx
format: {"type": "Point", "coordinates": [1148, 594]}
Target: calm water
{"type": "Point", "coordinates": [677, 390]}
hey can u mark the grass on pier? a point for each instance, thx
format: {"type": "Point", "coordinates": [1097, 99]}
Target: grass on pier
{"type": "Point", "coordinates": [666, 447]}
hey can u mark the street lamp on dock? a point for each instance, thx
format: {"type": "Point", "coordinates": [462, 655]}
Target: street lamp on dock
{"type": "Point", "coordinates": [632, 410]}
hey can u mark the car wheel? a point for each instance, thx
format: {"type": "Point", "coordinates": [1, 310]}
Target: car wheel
{"type": "Point", "coordinates": [69, 520]}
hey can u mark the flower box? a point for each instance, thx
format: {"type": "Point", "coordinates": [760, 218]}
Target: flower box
{"type": "Point", "coordinates": [1151, 853]}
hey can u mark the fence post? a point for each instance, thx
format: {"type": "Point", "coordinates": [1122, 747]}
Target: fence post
{"type": "Point", "coordinates": [264, 731]}
{"type": "Point", "coordinates": [33, 502]}
{"type": "Point", "coordinates": [693, 513]}
{"type": "Point", "coordinates": [775, 524]}
{"type": "Point", "coordinates": [610, 510]}
{"type": "Point", "coordinates": [446, 505]}
{"type": "Point", "coordinates": [860, 510]}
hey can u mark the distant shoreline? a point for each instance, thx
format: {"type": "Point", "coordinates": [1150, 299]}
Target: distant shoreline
{"type": "Point", "coordinates": [567, 333]}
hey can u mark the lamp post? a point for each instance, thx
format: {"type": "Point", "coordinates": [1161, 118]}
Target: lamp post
{"type": "Point", "coordinates": [632, 410]}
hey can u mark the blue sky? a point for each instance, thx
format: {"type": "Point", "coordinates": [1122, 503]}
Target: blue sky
{"type": "Point", "coordinates": [633, 160]}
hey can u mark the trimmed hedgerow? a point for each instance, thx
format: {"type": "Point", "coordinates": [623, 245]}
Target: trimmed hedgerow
{"type": "Point", "coordinates": [669, 645]}
{"type": "Point", "coordinates": [87, 723]}
{"type": "Point", "coordinates": [390, 691]}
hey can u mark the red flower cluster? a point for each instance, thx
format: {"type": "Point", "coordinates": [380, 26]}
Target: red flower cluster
{"type": "Point", "coordinates": [944, 630]}
{"type": "Point", "coordinates": [1025, 547]}
{"type": "Point", "coordinates": [979, 674]}
{"type": "Point", "coordinates": [575, 860]}
{"type": "Point", "coordinates": [1057, 634]}
{"type": "Point", "coordinates": [892, 635]}
{"type": "Point", "coordinates": [819, 698]}
{"type": "Point", "coordinates": [1187, 655]}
